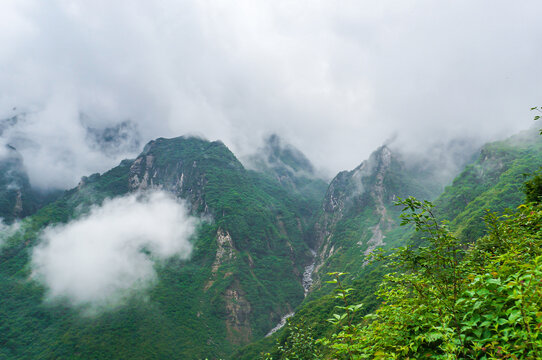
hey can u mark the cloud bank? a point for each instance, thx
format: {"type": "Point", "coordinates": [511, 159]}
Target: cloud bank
{"type": "Point", "coordinates": [103, 257]}
{"type": "Point", "coordinates": [334, 79]}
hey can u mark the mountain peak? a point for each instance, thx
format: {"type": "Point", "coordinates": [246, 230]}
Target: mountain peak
{"type": "Point", "coordinates": [280, 154]}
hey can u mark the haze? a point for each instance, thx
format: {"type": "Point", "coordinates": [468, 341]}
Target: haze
{"type": "Point", "coordinates": [107, 255]}
{"type": "Point", "coordinates": [335, 79]}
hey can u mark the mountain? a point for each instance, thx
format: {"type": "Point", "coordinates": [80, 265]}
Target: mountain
{"type": "Point", "coordinates": [358, 213]}
{"type": "Point", "coordinates": [262, 236]}
{"type": "Point", "coordinates": [494, 181]}
{"type": "Point", "coordinates": [357, 216]}
{"type": "Point", "coordinates": [245, 271]}
{"type": "Point", "coordinates": [290, 167]}
{"type": "Point", "coordinates": [17, 197]}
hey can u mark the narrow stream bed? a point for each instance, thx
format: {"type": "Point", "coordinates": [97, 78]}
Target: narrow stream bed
{"type": "Point", "coordinates": [280, 325]}
{"type": "Point", "coordinates": [307, 283]}
{"type": "Point", "coordinates": [307, 274]}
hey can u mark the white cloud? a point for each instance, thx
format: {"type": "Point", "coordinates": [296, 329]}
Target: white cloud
{"type": "Point", "coordinates": [335, 79]}
{"type": "Point", "coordinates": [103, 257]}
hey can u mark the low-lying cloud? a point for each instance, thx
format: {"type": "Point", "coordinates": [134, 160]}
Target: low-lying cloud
{"type": "Point", "coordinates": [336, 79]}
{"type": "Point", "coordinates": [109, 254]}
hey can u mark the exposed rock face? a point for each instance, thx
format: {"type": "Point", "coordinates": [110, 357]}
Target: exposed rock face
{"type": "Point", "coordinates": [18, 209]}
{"type": "Point", "coordinates": [351, 191]}
{"type": "Point", "coordinates": [140, 173]}
{"type": "Point", "coordinates": [225, 253]}
{"type": "Point", "coordinates": [307, 274]}
{"type": "Point", "coordinates": [377, 193]}
{"type": "Point", "coordinates": [17, 198]}
{"type": "Point", "coordinates": [182, 177]}
{"type": "Point", "coordinates": [238, 311]}
{"type": "Point", "coordinates": [225, 250]}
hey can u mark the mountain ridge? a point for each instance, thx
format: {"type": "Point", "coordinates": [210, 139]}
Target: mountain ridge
{"type": "Point", "coordinates": [251, 251]}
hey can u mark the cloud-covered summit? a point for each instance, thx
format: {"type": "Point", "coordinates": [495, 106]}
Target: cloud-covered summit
{"type": "Point", "coordinates": [334, 79]}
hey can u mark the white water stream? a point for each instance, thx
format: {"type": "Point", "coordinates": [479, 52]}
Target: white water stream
{"type": "Point", "coordinates": [307, 274]}
{"type": "Point", "coordinates": [280, 325]}
{"type": "Point", "coordinates": [307, 283]}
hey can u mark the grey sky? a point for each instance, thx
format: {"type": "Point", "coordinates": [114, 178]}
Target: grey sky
{"type": "Point", "coordinates": [334, 78]}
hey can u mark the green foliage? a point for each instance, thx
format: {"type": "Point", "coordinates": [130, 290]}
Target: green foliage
{"type": "Point", "coordinates": [447, 301]}
{"type": "Point", "coordinates": [494, 181]}
{"type": "Point", "coordinates": [533, 188]}
{"type": "Point", "coordinates": [187, 312]}
{"type": "Point", "coordinates": [440, 297]}
{"type": "Point", "coordinates": [537, 117]}
{"type": "Point", "coordinates": [342, 343]}
{"type": "Point", "coordinates": [298, 345]}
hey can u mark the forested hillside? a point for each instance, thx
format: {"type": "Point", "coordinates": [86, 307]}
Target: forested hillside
{"type": "Point", "coordinates": [261, 246]}
{"type": "Point", "coordinates": [244, 272]}
{"type": "Point", "coordinates": [493, 181]}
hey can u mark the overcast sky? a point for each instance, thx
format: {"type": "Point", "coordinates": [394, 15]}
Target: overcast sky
{"type": "Point", "coordinates": [334, 78]}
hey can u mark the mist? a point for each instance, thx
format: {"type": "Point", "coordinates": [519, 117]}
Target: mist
{"type": "Point", "coordinates": [7, 230]}
{"type": "Point", "coordinates": [336, 80]}
{"type": "Point", "coordinates": [103, 258]}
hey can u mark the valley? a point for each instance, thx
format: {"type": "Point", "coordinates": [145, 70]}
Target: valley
{"type": "Point", "coordinates": [264, 242]}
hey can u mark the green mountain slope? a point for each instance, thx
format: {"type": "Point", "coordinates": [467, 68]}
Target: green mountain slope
{"type": "Point", "coordinates": [244, 274]}
{"type": "Point", "coordinates": [359, 205]}
{"type": "Point", "coordinates": [358, 213]}
{"type": "Point", "coordinates": [493, 182]}
{"type": "Point", "coordinates": [358, 216]}
{"type": "Point", "coordinates": [250, 253]}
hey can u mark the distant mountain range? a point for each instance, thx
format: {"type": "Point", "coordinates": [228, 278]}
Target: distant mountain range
{"type": "Point", "coordinates": [267, 234]}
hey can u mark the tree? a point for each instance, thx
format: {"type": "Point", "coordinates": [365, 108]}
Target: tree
{"type": "Point", "coordinates": [449, 300]}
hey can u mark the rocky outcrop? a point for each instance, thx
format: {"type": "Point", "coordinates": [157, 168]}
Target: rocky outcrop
{"type": "Point", "coordinates": [350, 193]}
{"type": "Point", "coordinates": [225, 252]}
{"type": "Point", "coordinates": [18, 209]}
{"type": "Point", "coordinates": [377, 193]}
{"type": "Point", "coordinates": [17, 198]}
{"type": "Point", "coordinates": [238, 312]}
{"type": "Point", "coordinates": [140, 178]}
{"type": "Point", "coordinates": [183, 178]}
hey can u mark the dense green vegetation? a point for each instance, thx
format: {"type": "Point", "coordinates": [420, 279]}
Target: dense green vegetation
{"type": "Point", "coordinates": [210, 306]}
{"type": "Point", "coordinates": [494, 180]}
{"type": "Point", "coordinates": [445, 300]}
{"type": "Point", "coordinates": [188, 313]}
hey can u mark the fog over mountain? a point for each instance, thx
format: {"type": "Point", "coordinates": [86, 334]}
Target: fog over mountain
{"type": "Point", "coordinates": [98, 260]}
{"type": "Point", "coordinates": [93, 81]}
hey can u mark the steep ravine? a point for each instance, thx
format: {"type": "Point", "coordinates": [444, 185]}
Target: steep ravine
{"type": "Point", "coordinates": [307, 283]}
